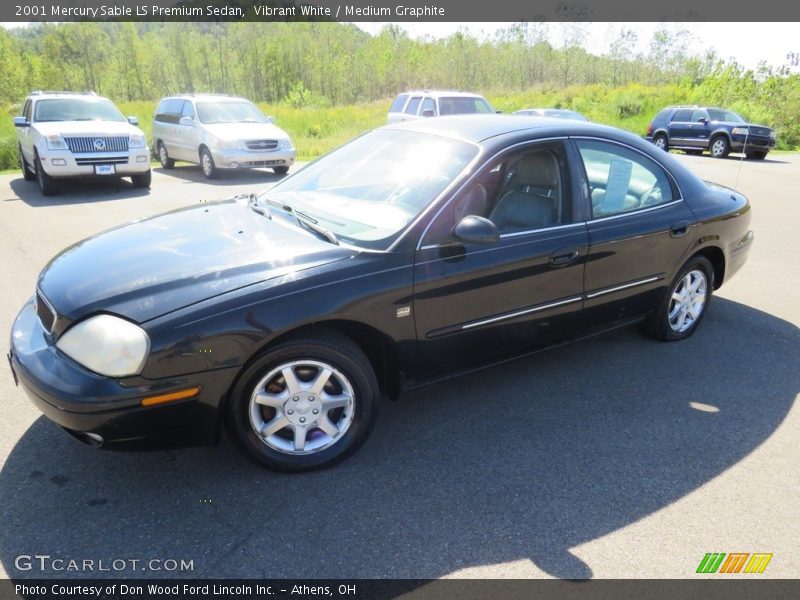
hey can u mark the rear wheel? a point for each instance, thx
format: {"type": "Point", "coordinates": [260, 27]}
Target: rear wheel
{"type": "Point", "coordinates": [306, 404]}
{"type": "Point", "coordinates": [163, 156]}
{"type": "Point", "coordinates": [26, 172]}
{"type": "Point", "coordinates": [685, 304]}
{"type": "Point", "coordinates": [207, 164]}
{"type": "Point", "coordinates": [142, 180]}
{"type": "Point", "coordinates": [661, 142]}
{"type": "Point", "coordinates": [720, 147]}
{"type": "Point", "coordinates": [48, 185]}
{"type": "Point", "coordinates": [280, 170]}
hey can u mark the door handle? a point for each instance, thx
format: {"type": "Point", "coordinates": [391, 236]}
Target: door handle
{"type": "Point", "coordinates": [679, 229]}
{"type": "Point", "coordinates": [564, 256]}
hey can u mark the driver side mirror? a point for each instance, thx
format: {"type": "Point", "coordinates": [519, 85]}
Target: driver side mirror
{"type": "Point", "coordinates": [476, 230]}
{"type": "Point", "coordinates": [20, 122]}
{"type": "Point", "coordinates": [270, 119]}
{"type": "Point", "coordinates": [133, 120]}
{"type": "Point", "coordinates": [702, 120]}
{"type": "Point", "coordinates": [187, 121]}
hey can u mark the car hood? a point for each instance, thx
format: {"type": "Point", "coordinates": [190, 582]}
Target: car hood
{"type": "Point", "coordinates": [151, 267]}
{"type": "Point", "coordinates": [738, 124]}
{"type": "Point", "coordinates": [246, 131]}
{"type": "Point", "coordinates": [87, 128]}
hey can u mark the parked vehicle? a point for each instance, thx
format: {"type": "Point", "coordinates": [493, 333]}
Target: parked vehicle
{"type": "Point", "coordinates": [412, 253]}
{"type": "Point", "coordinates": [718, 130]}
{"type": "Point", "coordinates": [553, 113]}
{"type": "Point", "coordinates": [219, 132]}
{"type": "Point", "coordinates": [68, 134]}
{"type": "Point", "coordinates": [416, 104]}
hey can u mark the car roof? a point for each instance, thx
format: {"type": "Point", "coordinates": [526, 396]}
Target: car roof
{"type": "Point", "coordinates": [454, 93]}
{"type": "Point", "coordinates": [207, 97]}
{"type": "Point", "coordinates": [42, 95]}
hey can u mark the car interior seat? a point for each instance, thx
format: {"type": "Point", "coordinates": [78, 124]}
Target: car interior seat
{"type": "Point", "coordinates": [531, 197]}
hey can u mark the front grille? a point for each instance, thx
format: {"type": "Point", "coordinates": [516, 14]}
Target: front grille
{"type": "Point", "coordinates": [106, 160]}
{"type": "Point", "coordinates": [83, 145]}
{"type": "Point", "coordinates": [261, 144]}
{"type": "Point", "coordinates": [762, 131]}
{"type": "Point", "coordinates": [45, 313]}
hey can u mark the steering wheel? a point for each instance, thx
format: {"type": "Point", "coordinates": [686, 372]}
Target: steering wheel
{"type": "Point", "coordinates": [650, 197]}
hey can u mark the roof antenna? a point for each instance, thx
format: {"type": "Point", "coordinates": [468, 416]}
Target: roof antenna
{"type": "Point", "coordinates": [739, 172]}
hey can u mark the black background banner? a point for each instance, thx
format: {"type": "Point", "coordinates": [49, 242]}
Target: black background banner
{"type": "Point", "coordinates": [707, 587]}
{"type": "Point", "coordinates": [399, 10]}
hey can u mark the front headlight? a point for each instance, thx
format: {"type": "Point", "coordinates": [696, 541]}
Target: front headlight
{"type": "Point", "coordinates": [229, 144]}
{"type": "Point", "coordinates": [107, 345]}
{"type": "Point", "coordinates": [739, 131]}
{"type": "Point", "coordinates": [56, 142]}
{"type": "Point", "coordinates": [136, 141]}
{"type": "Point", "coordinates": [772, 135]}
{"type": "Point", "coordinates": [285, 144]}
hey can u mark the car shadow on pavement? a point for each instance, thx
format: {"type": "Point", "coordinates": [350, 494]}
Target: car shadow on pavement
{"type": "Point", "coordinates": [194, 174]}
{"type": "Point", "coordinates": [77, 191]}
{"type": "Point", "coordinates": [522, 461]}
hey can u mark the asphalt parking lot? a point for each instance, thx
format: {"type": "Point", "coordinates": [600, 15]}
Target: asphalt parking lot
{"type": "Point", "coordinates": [613, 458]}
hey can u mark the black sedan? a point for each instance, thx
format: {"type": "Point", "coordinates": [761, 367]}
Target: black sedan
{"type": "Point", "coordinates": [415, 252]}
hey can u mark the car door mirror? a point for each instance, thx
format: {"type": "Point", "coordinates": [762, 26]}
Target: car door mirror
{"type": "Point", "coordinates": [187, 121]}
{"type": "Point", "coordinates": [270, 119]}
{"type": "Point", "coordinates": [428, 112]}
{"type": "Point", "coordinates": [476, 230]}
{"type": "Point", "coordinates": [702, 120]}
{"type": "Point", "coordinates": [133, 120]}
{"type": "Point", "coordinates": [20, 122]}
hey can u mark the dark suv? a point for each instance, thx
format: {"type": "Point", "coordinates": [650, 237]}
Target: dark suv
{"type": "Point", "coordinates": [718, 130]}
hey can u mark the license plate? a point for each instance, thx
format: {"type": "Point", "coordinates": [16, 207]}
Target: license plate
{"type": "Point", "coordinates": [104, 170]}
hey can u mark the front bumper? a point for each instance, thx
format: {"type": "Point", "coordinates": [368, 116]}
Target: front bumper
{"type": "Point", "coordinates": [63, 163]}
{"type": "Point", "coordinates": [246, 159]}
{"type": "Point", "coordinates": [82, 402]}
{"type": "Point", "coordinates": [754, 144]}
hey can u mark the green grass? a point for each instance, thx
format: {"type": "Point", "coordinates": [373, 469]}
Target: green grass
{"type": "Point", "coordinates": [315, 131]}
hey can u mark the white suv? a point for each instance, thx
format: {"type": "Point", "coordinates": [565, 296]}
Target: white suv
{"type": "Point", "coordinates": [65, 134]}
{"type": "Point", "coordinates": [219, 132]}
{"type": "Point", "coordinates": [416, 104]}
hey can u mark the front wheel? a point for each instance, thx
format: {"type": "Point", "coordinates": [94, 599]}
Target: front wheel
{"type": "Point", "coordinates": [26, 172]}
{"type": "Point", "coordinates": [142, 180]}
{"type": "Point", "coordinates": [48, 185]}
{"type": "Point", "coordinates": [306, 404]}
{"type": "Point", "coordinates": [207, 164]}
{"type": "Point", "coordinates": [280, 170]}
{"type": "Point", "coordinates": [720, 147]}
{"type": "Point", "coordinates": [684, 305]}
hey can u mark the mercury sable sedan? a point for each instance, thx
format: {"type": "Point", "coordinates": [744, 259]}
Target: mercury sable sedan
{"type": "Point", "coordinates": [414, 252]}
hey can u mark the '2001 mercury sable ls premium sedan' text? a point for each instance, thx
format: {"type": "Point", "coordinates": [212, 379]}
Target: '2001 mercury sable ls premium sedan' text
{"type": "Point", "coordinates": [414, 252]}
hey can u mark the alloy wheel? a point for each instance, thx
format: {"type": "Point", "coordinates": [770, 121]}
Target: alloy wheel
{"type": "Point", "coordinates": [688, 301]}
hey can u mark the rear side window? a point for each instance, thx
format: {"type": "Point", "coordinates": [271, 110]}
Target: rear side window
{"type": "Point", "coordinates": [463, 106]}
{"type": "Point", "coordinates": [684, 114]}
{"type": "Point", "coordinates": [399, 103]}
{"type": "Point", "coordinates": [169, 111]}
{"type": "Point", "coordinates": [622, 180]}
{"type": "Point", "coordinates": [188, 110]}
{"type": "Point", "coordinates": [413, 104]}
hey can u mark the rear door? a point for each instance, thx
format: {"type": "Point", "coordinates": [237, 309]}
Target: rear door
{"type": "Point", "coordinates": [680, 127]}
{"type": "Point", "coordinates": [639, 230]}
{"type": "Point", "coordinates": [166, 124]}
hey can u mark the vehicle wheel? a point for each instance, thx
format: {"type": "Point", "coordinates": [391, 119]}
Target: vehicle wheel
{"type": "Point", "coordinates": [756, 155]}
{"type": "Point", "coordinates": [48, 185]}
{"type": "Point", "coordinates": [280, 170]}
{"type": "Point", "coordinates": [306, 404]}
{"type": "Point", "coordinates": [661, 142]}
{"type": "Point", "coordinates": [142, 180]}
{"type": "Point", "coordinates": [683, 307]}
{"type": "Point", "coordinates": [207, 164]}
{"type": "Point", "coordinates": [26, 172]}
{"type": "Point", "coordinates": [163, 156]}
{"type": "Point", "coordinates": [694, 152]}
{"type": "Point", "coordinates": [720, 147]}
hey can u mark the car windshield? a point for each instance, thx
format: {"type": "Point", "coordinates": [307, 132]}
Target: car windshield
{"type": "Point", "coordinates": [239, 111]}
{"type": "Point", "coordinates": [718, 114]}
{"type": "Point", "coordinates": [367, 191]}
{"type": "Point", "coordinates": [463, 106]}
{"type": "Point", "coordinates": [77, 109]}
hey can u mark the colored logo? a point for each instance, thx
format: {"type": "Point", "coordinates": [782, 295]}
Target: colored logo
{"type": "Point", "coordinates": [735, 562]}
{"type": "Point", "coordinates": [99, 144]}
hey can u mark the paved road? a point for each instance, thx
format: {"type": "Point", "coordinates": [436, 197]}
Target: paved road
{"type": "Point", "coordinates": [617, 457]}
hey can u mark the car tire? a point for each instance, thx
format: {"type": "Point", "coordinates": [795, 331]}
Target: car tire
{"type": "Point", "coordinates": [26, 172]}
{"type": "Point", "coordinates": [686, 302]}
{"type": "Point", "coordinates": [661, 141]}
{"type": "Point", "coordinates": [756, 155]}
{"type": "Point", "coordinates": [163, 156]}
{"type": "Point", "coordinates": [280, 170]}
{"type": "Point", "coordinates": [720, 147]}
{"type": "Point", "coordinates": [207, 164]}
{"type": "Point", "coordinates": [142, 180]}
{"type": "Point", "coordinates": [47, 185]}
{"type": "Point", "coordinates": [283, 387]}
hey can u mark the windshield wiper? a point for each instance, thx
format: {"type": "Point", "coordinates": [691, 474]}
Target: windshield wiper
{"type": "Point", "coordinates": [306, 221]}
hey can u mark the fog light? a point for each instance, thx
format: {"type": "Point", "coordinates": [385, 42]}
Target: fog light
{"type": "Point", "coordinates": [234, 165]}
{"type": "Point", "coordinates": [59, 162]}
{"type": "Point", "coordinates": [141, 159]}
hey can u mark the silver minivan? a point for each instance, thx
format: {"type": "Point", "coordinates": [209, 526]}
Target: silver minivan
{"type": "Point", "coordinates": [219, 132]}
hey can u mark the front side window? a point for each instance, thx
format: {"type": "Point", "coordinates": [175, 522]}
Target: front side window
{"type": "Point", "coordinates": [75, 109]}
{"type": "Point", "coordinates": [429, 104]}
{"type": "Point", "coordinates": [399, 103]}
{"type": "Point", "coordinates": [524, 191]}
{"type": "Point", "coordinates": [367, 191]}
{"type": "Point", "coordinates": [188, 110]}
{"type": "Point", "coordinates": [229, 111]}
{"type": "Point", "coordinates": [622, 180]}
{"type": "Point", "coordinates": [718, 114]}
{"type": "Point", "coordinates": [699, 114]}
